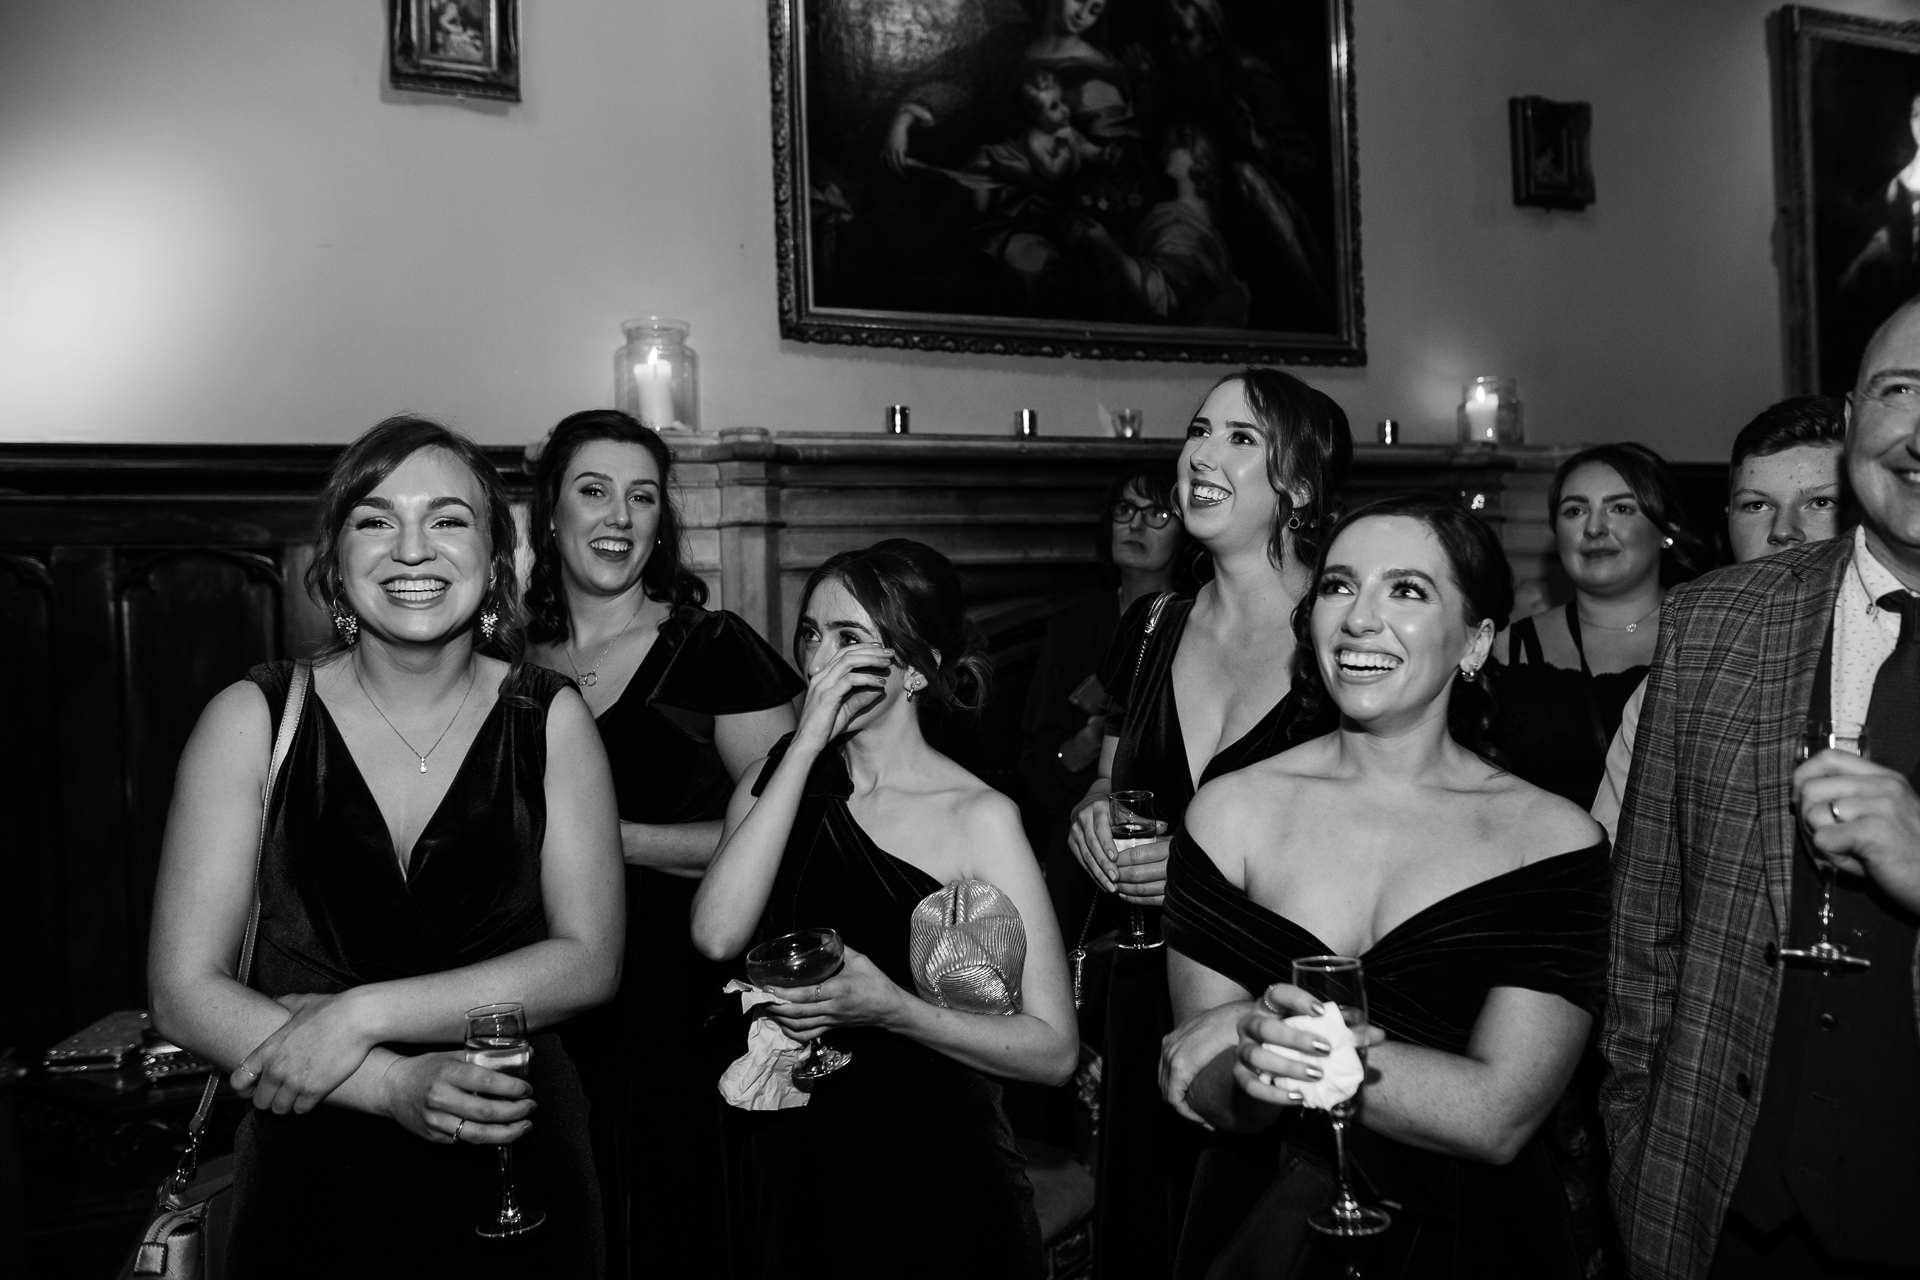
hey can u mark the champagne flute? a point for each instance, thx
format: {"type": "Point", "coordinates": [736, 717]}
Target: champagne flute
{"type": "Point", "coordinates": [1130, 818]}
{"type": "Point", "coordinates": [801, 959]}
{"type": "Point", "coordinates": [1338, 981]}
{"type": "Point", "coordinates": [1827, 735]}
{"type": "Point", "coordinates": [497, 1040]}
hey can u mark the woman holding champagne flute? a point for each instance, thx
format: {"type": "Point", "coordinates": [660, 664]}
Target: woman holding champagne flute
{"type": "Point", "coordinates": [1200, 688]}
{"type": "Point", "coordinates": [441, 837]}
{"type": "Point", "coordinates": [901, 1161]}
{"type": "Point", "coordinates": [1475, 903]}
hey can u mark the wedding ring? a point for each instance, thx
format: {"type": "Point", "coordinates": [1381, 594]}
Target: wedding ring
{"type": "Point", "coordinates": [1833, 812]}
{"type": "Point", "coordinates": [457, 1128]}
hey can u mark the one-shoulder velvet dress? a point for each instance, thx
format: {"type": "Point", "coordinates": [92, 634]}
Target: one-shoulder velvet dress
{"type": "Point", "coordinates": [656, 1115]}
{"type": "Point", "coordinates": [342, 1193]}
{"type": "Point", "coordinates": [1543, 927]}
{"type": "Point", "coordinates": [902, 1163]}
{"type": "Point", "coordinates": [1147, 1150]}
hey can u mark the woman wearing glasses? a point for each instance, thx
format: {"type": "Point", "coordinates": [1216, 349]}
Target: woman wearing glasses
{"type": "Point", "coordinates": [1143, 546]}
{"type": "Point", "coordinates": [1199, 689]}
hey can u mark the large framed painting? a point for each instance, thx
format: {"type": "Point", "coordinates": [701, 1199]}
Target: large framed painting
{"type": "Point", "coordinates": [1847, 173]}
{"type": "Point", "coordinates": [1124, 179]}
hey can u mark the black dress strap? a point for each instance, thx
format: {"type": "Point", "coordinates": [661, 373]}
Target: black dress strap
{"type": "Point", "coordinates": [1527, 636]}
{"type": "Point", "coordinates": [1602, 739]}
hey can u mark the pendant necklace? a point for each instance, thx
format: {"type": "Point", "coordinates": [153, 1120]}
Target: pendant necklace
{"type": "Point", "coordinates": [591, 676]}
{"type": "Point", "coordinates": [396, 729]}
{"type": "Point", "coordinates": [1630, 628]}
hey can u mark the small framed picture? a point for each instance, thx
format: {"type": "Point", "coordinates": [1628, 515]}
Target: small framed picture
{"type": "Point", "coordinates": [467, 48]}
{"type": "Point", "coordinates": [1551, 168]}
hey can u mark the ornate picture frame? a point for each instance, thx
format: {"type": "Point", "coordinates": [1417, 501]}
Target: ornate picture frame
{"type": "Point", "coordinates": [465, 48]}
{"type": "Point", "coordinates": [1846, 113]}
{"type": "Point", "coordinates": [1178, 180]}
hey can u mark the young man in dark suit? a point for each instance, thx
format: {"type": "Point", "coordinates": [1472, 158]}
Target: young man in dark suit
{"type": "Point", "coordinates": [1764, 1111]}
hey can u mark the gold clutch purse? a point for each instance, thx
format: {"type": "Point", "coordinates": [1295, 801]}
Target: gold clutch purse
{"type": "Point", "coordinates": [968, 948]}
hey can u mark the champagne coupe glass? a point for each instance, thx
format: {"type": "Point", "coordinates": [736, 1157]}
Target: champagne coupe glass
{"type": "Point", "coordinates": [801, 959]}
{"type": "Point", "coordinates": [1130, 818]}
{"type": "Point", "coordinates": [497, 1040]}
{"type": "Point", "coordinates": [1337, 980]}
{"type": "Point", "coordinates": [1827, 735]}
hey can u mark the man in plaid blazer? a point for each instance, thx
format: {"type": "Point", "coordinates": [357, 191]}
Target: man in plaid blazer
{"type": "Point", "coordinates": [1719, 1166]}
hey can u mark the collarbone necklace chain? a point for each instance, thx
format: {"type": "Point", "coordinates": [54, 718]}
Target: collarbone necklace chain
{"type": "Point", "coordinates": [1630, 628]}
{"type": "Point", "coordinates": [591, 676]}
{"type": "Point", "coordinates": [418, 755]}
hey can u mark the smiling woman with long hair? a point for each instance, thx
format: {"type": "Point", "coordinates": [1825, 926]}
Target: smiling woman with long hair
{"type": "Point", "coordinates": [685, 699]}
{"type": "Point", "coordinates": [1477, 901]}
{"type": "Point", "coordinates": [441, 837]}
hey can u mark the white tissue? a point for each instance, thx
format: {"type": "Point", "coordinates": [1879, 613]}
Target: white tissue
{"type": "Point", "coordinates": [1343, 1071]}
{"type": "Point", "coordinates": [761, 1079]}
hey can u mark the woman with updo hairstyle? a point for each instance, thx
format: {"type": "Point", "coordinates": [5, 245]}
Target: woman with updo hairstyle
{"type": "Point", "coordinates": [1200, 687]}
{"type": "Point", "coordinates": [440, 836]}
{"type": "Point", "coordinates": [1477, 901]}
{"type": "Point", "coordinates": [685, 699]}
{"type": "Point", "coordinates": [902, 1160]}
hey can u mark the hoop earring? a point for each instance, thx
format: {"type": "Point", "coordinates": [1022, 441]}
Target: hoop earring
{"type": "Point", "coordinates": [1295, 522]}
{"type": "Point", "coordinates": [347, 624]}
{"type": "Point", "coordinates": [488, 621]}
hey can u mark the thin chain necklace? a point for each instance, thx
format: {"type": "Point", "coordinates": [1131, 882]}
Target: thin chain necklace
{"type": "Point", "coordinates": [396, 728]}
{"type": "Point", "coordinates": [591, 675]}
{"type": "Point", "coordinates": [1630, 628]}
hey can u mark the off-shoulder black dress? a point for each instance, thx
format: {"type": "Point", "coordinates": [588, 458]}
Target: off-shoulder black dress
{"type": "Point", "coordinates": [1542, 926]}
{"type": "Point", "coordinates": [1147, 1151]}
{"type": "Point", "coordinates": [341, 1193]}
{"type": "Point", "coordinates": [656, 1125]}
{"type": "Point", "coordinates": [902, 1163]}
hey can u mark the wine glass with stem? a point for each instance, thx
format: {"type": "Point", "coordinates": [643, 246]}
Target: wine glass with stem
{"type": "Point", "coordinates": [1827, 735]}
{"type": "Point", "coordinates": [1130, 819]}
{"type": "Point", "coordinates": [1338, 981]}
{"type": "Point", "coordinates": [497, 1040]}
{"type": "Point", "coordinates": [801, 959]}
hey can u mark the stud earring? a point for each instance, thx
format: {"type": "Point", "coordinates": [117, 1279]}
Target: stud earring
{"type": "Point", "coordinates": [1666, 542]}
{"type": "Point", "coordinates": [488, 621]}
{"type": "Point", "coordinates": [1468, 673]}
{"type": "Point", "coordinates": [347, 623]}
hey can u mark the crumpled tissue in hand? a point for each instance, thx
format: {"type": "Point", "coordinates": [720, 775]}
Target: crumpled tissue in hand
{"type": "Point", "coordinates": [761, 1079]}
{"type": "Point", "coordinates": [1343, 1069]}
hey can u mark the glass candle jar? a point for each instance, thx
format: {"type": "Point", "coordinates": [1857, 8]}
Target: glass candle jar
{"type": "Point", "coordinates": [1489, 412]}
{"type": "Point", "coordinates": [656, 376]}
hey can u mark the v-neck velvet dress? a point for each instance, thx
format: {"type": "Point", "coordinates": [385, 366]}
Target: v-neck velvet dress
{"type": "Point", "coordinates": [1542, 926]}
{"type": "Point", "coordinates": [902, 1162]}
{"type": "Point", "coordinates": [1147, 1151]}
{"type": "Point", "coordinates": [656, 1124]}
{"type": "Point", "coordinates": [337, 1192]}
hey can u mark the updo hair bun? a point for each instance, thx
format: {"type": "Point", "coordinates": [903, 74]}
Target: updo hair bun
{"type": "Point", "coordinates": [916, 599]}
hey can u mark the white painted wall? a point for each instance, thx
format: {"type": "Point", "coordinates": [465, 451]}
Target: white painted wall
{"type": "Point", "coordinates": [217, 224]}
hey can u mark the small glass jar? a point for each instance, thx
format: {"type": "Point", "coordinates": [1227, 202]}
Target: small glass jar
{"type": "Point", "coordinates": [1489, 412]}
{"type": "Point", "coordinates": [656, 376]}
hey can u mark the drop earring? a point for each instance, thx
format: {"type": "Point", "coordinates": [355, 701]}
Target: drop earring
{"type": "Point", "coordinates": [1469, 674]}
{"type": "Point", "coordinates": [347, 624]}
{"type": "Point", "coordinates": [488, 621]}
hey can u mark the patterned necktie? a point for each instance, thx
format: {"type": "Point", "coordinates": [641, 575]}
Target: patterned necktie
{"type": "Point", "coordinates": [1893, 718]}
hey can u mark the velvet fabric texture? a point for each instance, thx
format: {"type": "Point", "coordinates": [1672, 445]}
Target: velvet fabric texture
{"type": "Point", "coordinates": [656, 1116]}
{"type": "Point", "coordinates": [902, 1162]}
{"type": "Point", "coordinates": [1147, 1151]}
{"type": "Point", "coordinates": [337, 1192]}
{"type": "Point", "coordinates": [1543, 927]}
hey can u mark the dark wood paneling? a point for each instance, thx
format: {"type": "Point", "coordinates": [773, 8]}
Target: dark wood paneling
{"type": "Point", "coordinates": [30, 934]}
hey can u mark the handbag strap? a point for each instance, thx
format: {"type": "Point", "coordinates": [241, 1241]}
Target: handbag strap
{"type": "Point", "coordinates": [282, 743]}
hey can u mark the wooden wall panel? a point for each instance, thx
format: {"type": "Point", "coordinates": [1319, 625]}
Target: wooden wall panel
{"type": "Point", "coordinates": [30, 933]}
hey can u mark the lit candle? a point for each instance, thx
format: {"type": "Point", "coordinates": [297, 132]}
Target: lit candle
{"type": "Point", "coordinates": [653, 379]}
{"type": "Point", "coordinates": [1482, 408]}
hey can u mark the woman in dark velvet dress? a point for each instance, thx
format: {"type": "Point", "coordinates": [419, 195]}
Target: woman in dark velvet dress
{"type": "Point", "coordinates": [901, 1162]}
{"type": "Point", "coordinates": [441, 837]}
{"type": "Point", "coordinates": [685, 699]}
{"type": "Point", "coordinates": [1477, 901]}
{"type": "Point", "coordinates": [1199, 688]}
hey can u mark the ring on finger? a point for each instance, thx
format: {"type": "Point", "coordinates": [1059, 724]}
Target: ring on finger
{"type": "Point", "coordinates": [457, 1128]}
{"type": "Point", "coordinates": [1833, 812]}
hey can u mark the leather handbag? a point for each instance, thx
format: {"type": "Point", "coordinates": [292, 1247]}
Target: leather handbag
{"type": "Point", "coordinates": [178, 1242]}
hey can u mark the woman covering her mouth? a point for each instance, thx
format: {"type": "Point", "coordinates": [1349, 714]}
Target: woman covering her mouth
{"type": "Point", "coordinates": [685, 699]}
{"type": "Point", "coordinates": [1199, 688]}
{"type": "Point", "coordinates": [1478, 901]}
